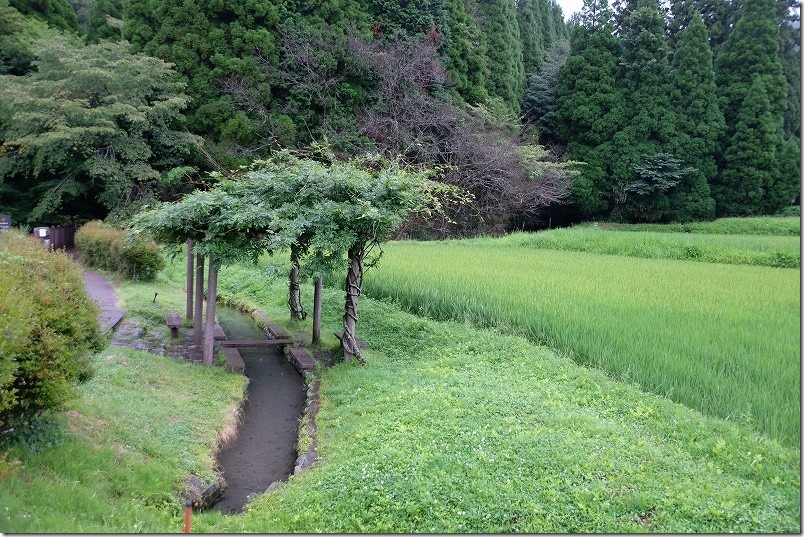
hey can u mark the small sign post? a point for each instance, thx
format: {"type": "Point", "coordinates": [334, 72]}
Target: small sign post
{"type": "Point", "coordinates": [5, 222]}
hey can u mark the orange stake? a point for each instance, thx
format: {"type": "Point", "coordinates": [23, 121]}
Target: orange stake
{"type": "Point", "coordinates": [188, 515]}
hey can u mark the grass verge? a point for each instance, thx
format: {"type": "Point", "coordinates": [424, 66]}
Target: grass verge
{"type": "Point", "coordinates": [116, 459]}
{"type": "Point", "coordinates": [761, 250]}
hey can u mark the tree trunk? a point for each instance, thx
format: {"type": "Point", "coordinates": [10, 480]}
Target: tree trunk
{"type": "Point", "coordinates": [297, 311]}
{"type": "Point", "coordinates": [354, 285]}
{"type": "Point", "coordinates": [190, 271]}
{"type": "Point", "coordinates": [317, 299]}
{"type": "Point", "coordinates": [199, 299]}
{"type": "Point", "coordinates": [209, 327]}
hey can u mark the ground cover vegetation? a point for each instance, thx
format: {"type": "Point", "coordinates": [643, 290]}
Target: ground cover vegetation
{"type": "Point", "coordinates": [720, 338]}
{"type": "Point", "coordinates": [677, 114]}
{"type": "Point", "coordinates": [535, 442]}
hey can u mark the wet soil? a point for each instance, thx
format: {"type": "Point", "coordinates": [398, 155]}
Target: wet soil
{"type": "Point", "coordinates": [265, 450]}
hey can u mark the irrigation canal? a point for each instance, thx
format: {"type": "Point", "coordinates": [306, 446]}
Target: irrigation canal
{"type": "Point", "coordinates": [265, 450]}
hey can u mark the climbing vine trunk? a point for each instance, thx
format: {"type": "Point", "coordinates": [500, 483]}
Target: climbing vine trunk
{"type": "Point", "coordinates": [199, 299]}
{"type": "Point", "coordinates": [190, 273]}
{"type": "Point", "coordinates": [297, 311]}
{"type": "Point", "coordinates": [209, 327]}
{"type": "Point", "coordinates": [354, 285]}
{"type": "Point", "coordinates": [317, 300]}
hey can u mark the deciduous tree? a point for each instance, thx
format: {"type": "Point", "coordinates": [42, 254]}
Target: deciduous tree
{"type": "Point", "coordinates": [92, 130]}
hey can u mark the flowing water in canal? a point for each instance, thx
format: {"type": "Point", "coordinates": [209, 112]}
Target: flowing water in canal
{"type": "Point", "coordinates": [265, 450]}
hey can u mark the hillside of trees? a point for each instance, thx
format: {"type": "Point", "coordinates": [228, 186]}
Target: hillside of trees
{"type": "Point", "coordinates": [638, 111]}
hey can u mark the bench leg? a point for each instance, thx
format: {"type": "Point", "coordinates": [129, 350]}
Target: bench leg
{"type": "Point", "coordinates": [174, 332]}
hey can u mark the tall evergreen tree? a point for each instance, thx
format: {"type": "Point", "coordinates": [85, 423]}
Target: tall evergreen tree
{"type": "Point", "coordinates": [700, 122]}
{"type": "Point", "coordinates": [545, 14]}
{"type": "Point", "coordinates": [530, 30]}
{"type": "Point", "coordinates": [751, 49]}
{"type": "Point", "coordinates": [591, 107]}
{"type": "Point", "coordinates": [560, 27]}
{"type": "Point", "coordinates": [210, 42]}
{"type": "Point", "coordinates": [393, 19]}
{"type": "Point", "coordinates": [57, 13]}
{"type": "Point", "coordinates": [540, 102]}
{"type": "Point", "coordinates": [719, 17]}
{"type": "Point", "coordinates": [105, 20]}
{"type": "Point", "coordinates": [506, 78]}
{"type": "Point", "coordinates": [751, 170]}
{"type": "Point", "coordinates": [790, 30]}
{"type": "Point", "coordinates": [650, 127]}
{"type": "Point", "coordinates": [465, 51]}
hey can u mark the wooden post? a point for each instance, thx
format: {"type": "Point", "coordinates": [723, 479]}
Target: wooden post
{"type": "Point", "coordinates": [319, 287]}
{"type": "Point", "coordinates": [199, 299]}
{"type": "Point", "coordinates": [190, 273]}
{"type": "Point", "coordinates": [209, 327]}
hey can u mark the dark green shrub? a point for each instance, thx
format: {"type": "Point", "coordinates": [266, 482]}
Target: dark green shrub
{"type": "Point", "coordinates": [791, 210]}
{"type": "Point", "coordinates": [49, 328]}
{"type": "Point", "coordinates": [105, 247]}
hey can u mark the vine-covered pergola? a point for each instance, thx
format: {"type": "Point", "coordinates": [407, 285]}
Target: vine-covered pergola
{"type": "Point", "coordinates": [329, 215]}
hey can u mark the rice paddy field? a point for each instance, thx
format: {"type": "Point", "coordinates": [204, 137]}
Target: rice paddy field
{"type": "Point", "coordinates": [719, 337]}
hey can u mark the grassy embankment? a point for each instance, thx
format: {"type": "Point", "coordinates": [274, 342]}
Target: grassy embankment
{"type": "Point", "coordinates": [450, 428]}
{"type": "Point", "coordinates": [723, 339]}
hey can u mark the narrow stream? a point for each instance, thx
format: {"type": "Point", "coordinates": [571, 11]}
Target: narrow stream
{"type": "Point", "coordinates": [265, 450]}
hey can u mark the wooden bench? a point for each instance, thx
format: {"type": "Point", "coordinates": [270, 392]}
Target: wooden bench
{"type": "Point", "coordinates": [173, 321]}
{"type": "Point", "coordinates": [302, 358]}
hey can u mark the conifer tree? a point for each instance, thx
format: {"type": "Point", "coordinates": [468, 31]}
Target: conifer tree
{"type": "Point", "coordinates": [545, 13]}
{"type": "Point", "coordinates": [530, 30]}
{"type": "Point", "coordinates": [751, 169]}
{"type": "Point", "coordinates": [506, 78]}
{"type": "Point", "coordinates": [105, 20]}
{"type": "Point", "coordinates": [700, 122]}
{"type": "Point", "coordinates": [210, 42]}
{"type": "Point", "coordinates": [650, 127]}
{"type": "Point", "coordinates": [395, 19]}
{"type": "Point", "coordinates": [539, 104]}
{"type": "Point", "coordinates": [590, 107]}
{"type": "Point", "coordinates": [57, 13]}
{"type": "Point", "coordinates": [465, 51]}
{"type": "Point", "coordinates": [751, 49]}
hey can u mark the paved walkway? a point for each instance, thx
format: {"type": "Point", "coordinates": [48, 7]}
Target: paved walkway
{"type": "Point", "coordinates": [104, 296]}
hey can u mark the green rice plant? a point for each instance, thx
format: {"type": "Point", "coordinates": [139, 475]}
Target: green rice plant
{"type": "Point", "coordinates": [723, 339]}
{"type": "Point", "coordinates": [763, 250]}
{"type": "Point", "coordinates": [754, 225]}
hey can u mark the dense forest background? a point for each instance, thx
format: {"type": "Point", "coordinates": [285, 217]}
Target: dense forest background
{"type": "Point", "coordinates": [638, 112]}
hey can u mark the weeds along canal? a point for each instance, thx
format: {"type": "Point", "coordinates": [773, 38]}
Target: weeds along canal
{"type": "Point", "coordinates": [265, 450]}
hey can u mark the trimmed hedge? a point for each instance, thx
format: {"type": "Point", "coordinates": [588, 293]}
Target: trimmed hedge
{"type": "Point", "coordinates": [49, 328]}
{"type": "Point", "coordinates": [105, 247]}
